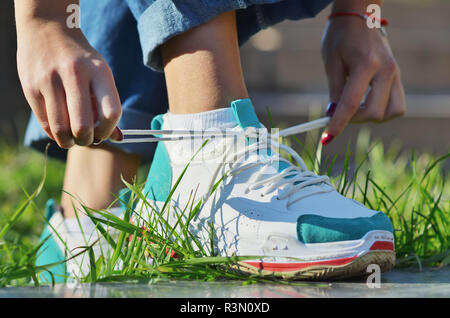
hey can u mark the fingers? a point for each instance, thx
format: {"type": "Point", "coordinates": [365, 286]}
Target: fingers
{"type": "Point", "coordinates": [37, 104]}
{"type": "Point", "coordinates": [386, 98]}
{"type": "Point", "coordinates": [352, 94]}
{"type": "Point", "coordinates": [377, 100]}
{"type": "Point", "coordinates": [336, 79]}
{"type": "Point", "coordinates": [56, 108]}
{"type": "Point", "coordinates": [80, 110]}
{"type": "Point", "coordinates": [107, 106]}
{"type": "Point", "coordinates": [89, 106]}
{"type": "Point", "coordinates": [397, 104]}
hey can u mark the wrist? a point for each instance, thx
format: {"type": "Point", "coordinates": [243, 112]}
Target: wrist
{"type": "Point", "coordinates": [50, 31]}
{"type": "Point", "coordinates": [353, 5]}
{"type": "Point", "coordinates": [35, 13]}
{"type": "Point", "coordinates": [358, 9]}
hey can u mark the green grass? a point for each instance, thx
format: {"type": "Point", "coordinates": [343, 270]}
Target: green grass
{"type": "Point", "coordinates": [20, 172]}
{"type": "Point", "coordinates": [410, 188]}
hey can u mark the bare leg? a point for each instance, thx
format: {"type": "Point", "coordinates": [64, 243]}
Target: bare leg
{"type": "Point", "coordinates": [93, 175]}
{"type": "Point", "coordinates": [202, 67]}
{"type": "Point", "coordinates": [203, 72]}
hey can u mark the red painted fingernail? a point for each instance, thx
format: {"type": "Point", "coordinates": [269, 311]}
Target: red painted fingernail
{"type": "Point", "coordinates": [117, 135]}
{"type": "Point", "coordinates": [331, 109]}
{"type": "Point", "coordinates": [326, 139]}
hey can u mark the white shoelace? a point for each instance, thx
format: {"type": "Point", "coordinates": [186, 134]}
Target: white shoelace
{"type": "Point", "coordinates": [293, 178]}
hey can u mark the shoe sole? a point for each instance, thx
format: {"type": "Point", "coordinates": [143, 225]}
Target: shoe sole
{"type": "Point", "coordinates": [378, 249]}
{"type": "Point", "coordinates": [381, 253]}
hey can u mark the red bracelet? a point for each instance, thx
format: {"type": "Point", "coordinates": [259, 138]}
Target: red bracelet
{"type": "Point", "coordinates": [365, 16]}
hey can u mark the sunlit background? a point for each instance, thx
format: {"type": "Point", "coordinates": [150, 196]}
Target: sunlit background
{"type": "Point", "coordinates": [284, 72]}
{"type": "Point", "coordinates": [285, 75]}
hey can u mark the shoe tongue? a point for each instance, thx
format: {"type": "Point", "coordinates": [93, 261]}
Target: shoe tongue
{"type": "Point", "coordinates": [244, 113]}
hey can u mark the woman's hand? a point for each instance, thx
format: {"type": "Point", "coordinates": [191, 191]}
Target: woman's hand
{"type": "Point", "coordinates": [358, 58]}
{"type": "Point", "coordinates": [68, 84]}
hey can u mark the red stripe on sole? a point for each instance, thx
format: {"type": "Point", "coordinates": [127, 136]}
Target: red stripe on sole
{"type": "Point", "coordinates": [382, 245]}
{"type": "Point", "coordinates": [289, 267]}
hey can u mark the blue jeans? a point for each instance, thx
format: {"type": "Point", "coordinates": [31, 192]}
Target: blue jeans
{"type": "Point", "coordinates": [129, 33]}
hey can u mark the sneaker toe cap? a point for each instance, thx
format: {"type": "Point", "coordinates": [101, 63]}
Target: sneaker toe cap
{"type": "Point", "coordinates": [319, 229]}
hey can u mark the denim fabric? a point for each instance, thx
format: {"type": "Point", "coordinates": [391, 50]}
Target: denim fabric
{"type": "Point", "coordinates": [128, 34]}
{"type": "Point", "coordinates": [159, 20]}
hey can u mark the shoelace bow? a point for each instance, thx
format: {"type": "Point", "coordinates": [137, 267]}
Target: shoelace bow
{"type": "Point", "coordinates": [292, 177]}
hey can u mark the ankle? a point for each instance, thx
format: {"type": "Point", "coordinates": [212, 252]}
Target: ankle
{"type": "Point", "coordinates": [204, 74]}
{"type": "Point", "coordinates": [218, 118]}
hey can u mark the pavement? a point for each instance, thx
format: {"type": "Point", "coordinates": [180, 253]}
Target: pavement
{"type": "Point", "coordinates": [398, 283]}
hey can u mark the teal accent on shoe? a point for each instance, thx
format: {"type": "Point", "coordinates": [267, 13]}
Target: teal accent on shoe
{"type": "Point", "coordinates": [125, 197]}
{"type": "Point", "coordinates": [319, 229]}
{"type": "Point", "coordinates": [159, 179]}
{"type": "Point", "coordinates": [244, 113]}
{"type": "Point", "coordinates": [49, 209]}
{"type": "Point", "coordinates": [50, 252]}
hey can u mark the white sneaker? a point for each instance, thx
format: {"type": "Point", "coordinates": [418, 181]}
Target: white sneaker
{"type": "Point", "coordinates": [294, 222]}
{"type": "Point", "coordinates": [67, 248]}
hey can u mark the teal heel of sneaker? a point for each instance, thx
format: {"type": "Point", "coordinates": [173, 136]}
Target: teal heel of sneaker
{"type": "Point", "coordinates": [50, 252]}
{"type": "Point", "coordinates": [159, 179]}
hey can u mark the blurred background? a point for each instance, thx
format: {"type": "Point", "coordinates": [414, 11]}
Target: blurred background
{"type": "Point", "coordinates": [285, 75]}
{"type": "Point", "coordinates": [284, 72]}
